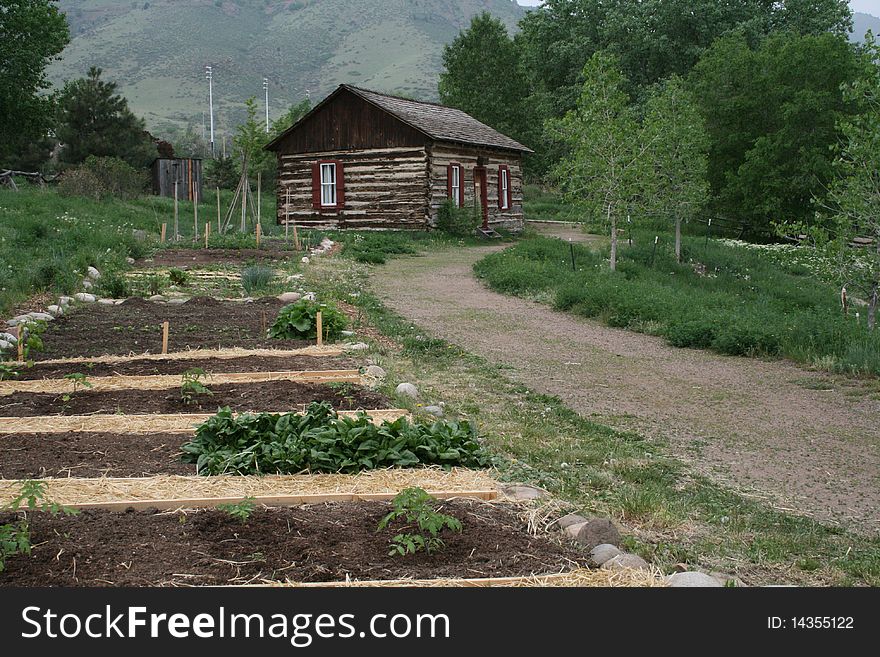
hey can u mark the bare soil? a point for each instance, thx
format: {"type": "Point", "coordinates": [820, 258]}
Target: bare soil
{"type": "Point", "coordinates": [152, 367]}
{"type": "Point", "coordinates": [269, 396]}
{"type": "Point", "coordinates": [37, 456]}
{"type": "Point", "coordinates": [135, 327]}
{"type": "Point", "coordinates": [189, 258]}
{"type": "Point", "coordinates": [326, 542]}
{"type": "Point", "coordinates": [765, 428]}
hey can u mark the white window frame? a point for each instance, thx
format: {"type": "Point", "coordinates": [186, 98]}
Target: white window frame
{"type": "Point", "coordinates": [456, 185]}
{"type": "Point", "coordinates": [329, 179]}
{"type": "Point", "coordinates": [505, 189]}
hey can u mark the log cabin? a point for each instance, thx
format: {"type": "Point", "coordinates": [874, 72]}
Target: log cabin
{"type": "Point", "coordinates": [367, 160]}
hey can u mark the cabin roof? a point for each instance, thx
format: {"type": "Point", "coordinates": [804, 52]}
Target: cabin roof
{"type": "Point", "coordinates": [438, 122]}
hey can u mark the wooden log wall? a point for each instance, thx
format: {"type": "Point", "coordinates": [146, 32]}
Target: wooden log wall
{"type": "Point", "coordinates": [385, 188]}
{"type": "Point", "coordinates": [441, 156]}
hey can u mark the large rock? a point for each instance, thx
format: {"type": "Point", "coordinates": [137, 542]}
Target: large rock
{"type": "Point", "coordinates": [41, 317]}
{"type": "Point", "coordinates": [571, 519]}
{"type": "Point", "coordinates": [107, 302]}
{"type": "Point", "coordinates": [603, 553]}
{"type": "Point", "coordinates": [8, 337]}
{"type": "Point", "coordinates": [289, 297]}
{"type": "Point", "coordinates": [376, 372]}
{"type": "Point", "coordinates": [521, 492]}
{"type": "Point", "coordinates": [573, 530]}
{"type": "Point", "coordinates": [156, 297]}
{"type": "Point", "coordinates": [626, 561]}
{"type": "Point", "coordinates": [692, 580]}
{"type": "Point", "coordinates": [598, 531]}
{"type": "Point", "coordinates": [84, 297]}
{"type": "Point", "coordinates": [436, 411]}
{"type": "Point", "coordinates": [357, 346]}
{"type": "Point", "coordinates": [407, 390]}
{"type": "Point", "coordinates": [4, 345]}
{"type": "Point", "coordinates": [55, 310]}
{"type": "Point", "coordinates": [64, 301]}
{"type": "Point", "coordinates": [93, 273]}
{"type": "Point", "coordinates": [87, 284]}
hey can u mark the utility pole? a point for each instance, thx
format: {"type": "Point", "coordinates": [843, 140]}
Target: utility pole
{"type": "Point", "coordinates": [209, 76]}
{"type": "Point", "coordinates": [266, 89]}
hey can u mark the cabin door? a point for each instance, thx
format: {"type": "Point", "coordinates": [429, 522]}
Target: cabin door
{"type": "Point", "coordinates": [480, 193]}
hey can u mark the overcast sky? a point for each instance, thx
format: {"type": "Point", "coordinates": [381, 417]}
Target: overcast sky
{"type": "Point", "coordinates": [867, 6]}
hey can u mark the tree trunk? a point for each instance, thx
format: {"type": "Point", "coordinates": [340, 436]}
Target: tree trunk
{"type": "Point", "coordinates": [677, 238]}
{"type": "Point", "coordinates": [613, 220]}
{"type": "Point", "coordinates": [872, 305]}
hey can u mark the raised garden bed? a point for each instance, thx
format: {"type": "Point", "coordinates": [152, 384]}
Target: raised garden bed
{"type": "Point", "coordinates": [37, 456]}
{"type": "Point", "coordinates": [272, 396]}
{"type": "Point", "coordinates": [319, 543]}
{"type": "Point", "coordinates": [135, 326]}
{"type": "Point", "coordinates": [183, 258]}
{"type": "Point", "coordinates": [151, 367]}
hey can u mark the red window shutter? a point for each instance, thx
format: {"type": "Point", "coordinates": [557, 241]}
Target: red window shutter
{"type": "Point", "coordinates": [461, 186]}
{"type": "Point", "coordinates": [316, 185]}
{"type": "Point", "coordinates": [449, 181]}
{"type": "Point", "coordinates": [340, 185]}
{"type": "Point", "coordinates": [500, 187]}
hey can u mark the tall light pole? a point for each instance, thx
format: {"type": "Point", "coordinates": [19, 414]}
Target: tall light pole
{"type": "Point", "coordinates": [209, 76]}
{"type": "Point", "coordinates": [266, 89]}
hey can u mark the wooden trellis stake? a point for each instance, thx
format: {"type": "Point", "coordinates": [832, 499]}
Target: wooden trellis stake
{"type": "Point", "coordinates": [319, 320]}
{"type": "Point", "coordinates": [219, 229]}
{"type": "Point", "coordinates": [259, 232]}
{"type": "Point", "coordinates": [164, 338]}
{"type": "Point", "coordinates": [207, 233]}
{"type": "Point", "coordinates": [176, 224]}
{"type": "Point", "coordinates": [162, 234]}
{"type": "Point", "coordinates": [195, 214]}
{"type": "Point", "coordinates": [259, 197]}
{"type": "Point", "coordinates": [20, 346]}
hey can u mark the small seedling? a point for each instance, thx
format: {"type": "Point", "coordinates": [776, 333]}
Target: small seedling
{"type": "Point", "coordinates": [31, 332]}
{"type": "Point", "coordinates": [192, 385]}
{"type": "Point", "coordinates": [416, 506]}
{"type": "Point", "coordinates": [242, 511]}
{"type": "Point", "coordinates": [15, 538]}
{"type": "Point", "coordinates": [79, 379]}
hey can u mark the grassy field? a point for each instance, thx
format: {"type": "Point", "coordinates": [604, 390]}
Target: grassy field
{"type": "Point", "coordinates": [671, 515]}
{"type": "Point", "coordinates": [724, 297]}
{"type": "Point", "coordinates": [47, 241]}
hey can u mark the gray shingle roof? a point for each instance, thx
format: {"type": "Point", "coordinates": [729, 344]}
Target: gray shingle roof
{"type": "Point", "coordinates": [439, 122]}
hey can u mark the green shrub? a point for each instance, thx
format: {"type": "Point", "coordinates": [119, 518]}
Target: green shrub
{"type": "Point", "coordinates": [693, 333]}
{"type": "Point", "coordinates": [100, 177]}
{"type": "Point", "coordinates": [114, 285]}
{"type": "Point", "coordinates": [178, 277]}
{"type": "Point", "coordinates": [423, 523]}
{"type": "Point", "coordinates": [322, 441]}
{"type": "Point", "coordinates": [256, 278]}
{"type": "Point", "coordinates": [458, 221]}
{"type": "Point", "coordinates": [298, 321]}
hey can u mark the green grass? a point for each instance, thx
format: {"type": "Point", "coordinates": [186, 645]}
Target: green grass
{"type": "Point", "coordinates": [546, 204]}
{"type": "Point", "coordinates": [729, 299]}
{"type": "Point", "coordinates": [671, 514]}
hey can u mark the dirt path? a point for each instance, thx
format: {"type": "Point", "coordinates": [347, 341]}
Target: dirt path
{"type": "Point", "coordinates": [756, 425]}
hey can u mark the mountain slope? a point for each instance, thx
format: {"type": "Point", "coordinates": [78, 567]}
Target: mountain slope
{"type": "Point", "coordinates": [157, 49]}
{"type": "Point", "coordinates": [862, 23]}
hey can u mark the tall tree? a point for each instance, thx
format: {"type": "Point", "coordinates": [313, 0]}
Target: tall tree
{"type": "Point", "coordinates": [94, 120]}
{"type": "Point", "coordinates": [679, 188]}
{"type": "Point", "coordinates": [772, 115]}
{"type": "Point", "coordinates": [853, 200]}
{"type": "Point", "coordinates": [481, 75]}
{"type": "Point", "coordinates": [32, 34]}
{"type": "Point", "coordinates": [605, 170]}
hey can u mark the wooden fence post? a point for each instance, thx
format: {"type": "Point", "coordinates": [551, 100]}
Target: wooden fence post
{"type": "Point", "coordinates": [219, 229]}
{"type": "Point", "coordinates": [164, 338]}
{"type": "Point", "coordinates": [162, 234]}
{"type": "Point", "coordinates": [319, 320]}
{"type": "Point", "coordinates": [176, 225]}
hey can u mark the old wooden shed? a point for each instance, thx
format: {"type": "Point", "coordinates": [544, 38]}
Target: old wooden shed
{"type": "Point", "coordinates": [366, 160]}
{"type": "Point", "coordinates": [187, 172]}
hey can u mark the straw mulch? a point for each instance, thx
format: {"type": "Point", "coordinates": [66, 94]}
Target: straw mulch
{"type": "Point", "coordinates": [139, 424]}
{"type": "Point", "coordinates": [580, 578]}
{"type": "Point", "coordinates": [232, 352]}
{"type": "Point", "coordinates": [108, 490]}
{"type": "Point", "coordinates": [167, 381]}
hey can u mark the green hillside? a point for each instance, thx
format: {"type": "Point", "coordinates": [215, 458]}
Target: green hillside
{"type": "Point", "coordinates": [157, 49]}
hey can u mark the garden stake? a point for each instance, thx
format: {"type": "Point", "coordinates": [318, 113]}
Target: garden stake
{"type": "Point", "coordinates": [571, 246]}
{"type": "Point", "coordinates": [259, 197]}
{"type": "Point", "coordinates": [320, 329]}
{"type": "Point", "coordinates": [218, 211]}
{"type": "Point", "coordinates": [195, 215]}
{"type": "Point", "coordinates": [164, 338]}
{"type": "Point", "coordinates": [162, 236]}
{"type": "Point", "coordinates": [207, 233]}
{"type": "Point", "coordinates": [259, 230]}
{"type": "Point", "coordinates": [176, 225]}
{"type": "Point", "coordinates": [20, 346]}
{"type": "Point", "coordinates": [654, 252]}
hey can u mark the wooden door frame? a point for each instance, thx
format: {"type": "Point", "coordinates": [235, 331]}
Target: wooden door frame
{"type": "Point", "coordinates": [483, 173]}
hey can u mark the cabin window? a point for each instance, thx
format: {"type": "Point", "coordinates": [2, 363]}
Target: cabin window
{"type": "Point", "coordinates": [503, 188]}
{"type": "Point", "coordinates": [454, 187]}
{"type": "Point", "coordinates": [328, 185]}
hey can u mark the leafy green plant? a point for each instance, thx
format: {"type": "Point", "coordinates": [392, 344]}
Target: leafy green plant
{"type": "Point", "coordinates": [192, 386]}
{"type": "Point", "coordinates": [15, 538]}
{"type": "Point", "coordinates": [241, 511]}
{"type": "Point", "coordinates": [321, 441]}
{"type": "Point", "coordinates": [115, 285]}
{"type": "Point", "coordinates": [78, 379]}
{"type": "Point", "coordinates": [178, 277]}
{"type": "Point", "coordinates": [424, 523]}
{"type": "Point", "coordinates": [458, 221]}
{"type": "Point", "coordinates": [154, 284]}
{"type": "Point", "coordinates": [256, 278]}
{"type": "Point", "coordinates": [8, 371]}
{"type": "Point", "coordinates": [298, 321]}
{"type": "Point", "coordinates": [32, 332]}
